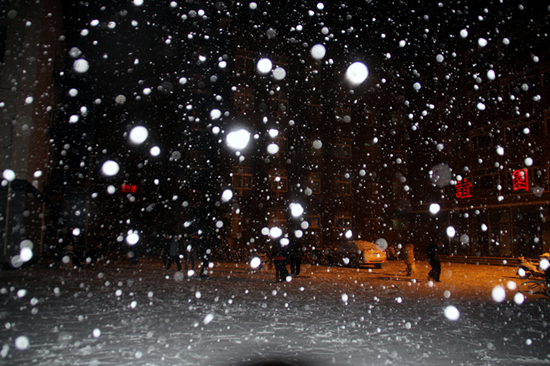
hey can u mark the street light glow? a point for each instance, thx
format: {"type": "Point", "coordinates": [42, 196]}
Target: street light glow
{"type": "Point", "coordinates": [238, 140]}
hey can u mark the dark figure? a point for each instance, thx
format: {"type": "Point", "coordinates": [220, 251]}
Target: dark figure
{"type": "Point", "coordinates": [93, 254]}
{"type": "Point", "coordinates": [134, 253]}
{"type": "Point", "coordinates": [279, 259]}
{"type": "Point", "coordinates": [204, 255]}
{"type": "Point", "coordinates": [433, 258]}
{"type": "Point", "coordinates": [174, 253]}
{"type": "Point", "coordinates": [190, 253]}
{"type": "Point", "coordinates": [165, 249]}
{"type": "Point", "coordinates": [78, 252]}
{"type": "Point", "coordinates": [295, 257]}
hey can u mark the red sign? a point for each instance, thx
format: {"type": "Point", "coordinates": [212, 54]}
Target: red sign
{"type": "Point", "coordinates": [129, 188]}
{"type": "Point", "coordinates": [520, 179]}
{"type": "Point", "coordinates": [463, 189]}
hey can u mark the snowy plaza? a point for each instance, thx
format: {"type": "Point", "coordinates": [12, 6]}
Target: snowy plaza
{"type": "Point", "coordinates": [118, 314]}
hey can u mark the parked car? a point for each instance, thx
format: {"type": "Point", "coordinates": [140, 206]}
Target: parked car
{"type": "Point", "coordinates": [356, 253]}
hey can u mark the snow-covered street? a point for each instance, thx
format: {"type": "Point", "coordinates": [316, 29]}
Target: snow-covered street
{"type": "Point", "coordinates": [119, 314]}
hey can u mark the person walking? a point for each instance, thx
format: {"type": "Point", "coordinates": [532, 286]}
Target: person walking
{"type": "Point", "coordinates": [165, 249]}
{"type": "Point", "coordinates": [174, 253]}
{"type": "Point", "coordinates": [190, 254]}
{"type": "Point", "coordinates": [409, 259]}
{"type": "Point", "coordinates": [433, 258]}
{"type": "Point", "coordinates": [295, 257]}
{"type": "Point", "coordinates": [279, 259]}
{"type": "Point", "coordinates": [205, 255]}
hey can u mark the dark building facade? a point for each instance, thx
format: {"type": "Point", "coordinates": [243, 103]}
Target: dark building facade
{"type": "Point", "coordinates": [441, 119]}
{"type": "Point", "coordinates": [488, 158]}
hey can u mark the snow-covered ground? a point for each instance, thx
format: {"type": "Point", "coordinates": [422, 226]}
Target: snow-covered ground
{"type": "Point", "coordinates": [119, 314]}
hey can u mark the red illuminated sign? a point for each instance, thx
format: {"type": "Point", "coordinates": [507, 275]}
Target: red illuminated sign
{"type": "Point", "coordinates": [129, 188]}
{"type": "Point", "coordinates": [520, 179]}
{"type": "Point", "coordinates": [463, 189]}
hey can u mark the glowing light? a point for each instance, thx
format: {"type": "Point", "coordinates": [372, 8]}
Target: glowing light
{"type": "Point", "coordinates": [22, 343]}
{"type": "Point", "coordinates": [138, 135]}
{"type": "Point", "coordinates": [279, 73]}
{"type": "Point", "coordinates": [238, 140]}
{"type": "Point", "coordinates": [264, 65]}
{"type": "Point", "coordinates": [451, 232]}
{"type": "Point", "coordinates": [155, 151]}
{"type": "Point", "coordinates": [434, 208]}
{"type": "Point", "coordinates": [452, 313]}
{"type": "Point", "coordinates": [318, 51]}
{"type": "Point", "coordinates": [296, 209]}
{"type": "Point", "coordinates": [357, 72]}
{"type": "Point", "coordinates": [110, 168]}
{"type": "Point", "coordinates": [81, 66]}
{"type": "Point", "coordinates": [8, 175]}
{"type": "Point", "coordinates": [215, 114]}
{"type": "Point", "coordinates": [132, 238]}
{"type": "Point", "coordinates": [382, 243]}
{"type": "Point", "coordinates": [498, 293]}
{"type": "Point", "coordinates": [255, 262]}
{"type": "Point", "coordinates": [25, 254]}
{"type": "Point", "coordinates": [227, 195]}
{"type": "Point", "coordinates": [272, 149]}
{"type": "Point", "coordinates": [275, 232]}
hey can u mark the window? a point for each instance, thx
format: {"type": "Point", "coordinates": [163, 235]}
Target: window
{"type": "Point", "coordinates": [277, 219]}
{"type": "Point", "coordinates": [315, 110]}
{"type": "Point", "coordinates": [342, 113]}
{"type": "Point", "coordinates": [244, 99]}
{"type": "Point", "coordinates": [278, 103]}
{"type": "Point", "coordinates": [481, 140]}
{"type": "Point", "coordinates": [371, 189]}
{"type": "Point", "coordinates": [312, 74]}
{"type": "Point", "coordinates": [278, 181]}
{"type": "Point", "coordinates": [372, 153]}
{"type": "Point", "coordinates": [244, 62]}
{"type": "Point", "coordinates": [241, 179]}
{"type": "Point", "coordinates": [399, 157]}
{"type": "Point", "coordinates": [342, 148]}
{"type": "Point", "coordinates": [372, 223]}
{"type": "Point", "coordinates": [521, 129]}
{"type": "Point", "coordinates": [314, 183]}
{"type": "Point", "coordinates": [484, 182]}
{"type": "Point", "coordinates": [342, 220]}
{"type": "Point", "coordinates": [398, 120]}
{"type": "Point", "coordinates": [282, 142]}
{"type": "Point", "coordinates": [371, 117]}
{"type": "Point", "coordinates": [455, 146]}
{"type": "Point", "coordinates": [400, 224]}
{"type": "Point", "coordinates": [316, 147]}
{"type": "Point", "coordinates": [197, 159]}
{"type": "Point", "coordinates": [342, 186]}
{"type": "Point", "coordinates": [314, 222]}
{"type": "Point", "coordinates": [399, 191]}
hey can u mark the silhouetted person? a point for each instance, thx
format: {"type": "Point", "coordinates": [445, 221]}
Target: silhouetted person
{"type": "Point", "coordinates": [433, 258]}
{"type": "Point", "coordinates": [165, 249]}
{"type": "Point", "coordinates": [279, 259]}
{"type": "Point", "coordinates": [295, 257]}
{"type": "Point", "coordinates": [174, 253]}
{"type": "Point", "coordinates": [409, 259]}
{"type": "Point", "coordinates": [191, 253]}
{"type": "Point", "coordinates": [205, 255]}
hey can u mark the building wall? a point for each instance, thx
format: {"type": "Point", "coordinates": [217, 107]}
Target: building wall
{"type": "Point", "coordinates": [28, 99]}
{"type": "Point", "coordinates": [485, 130]}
